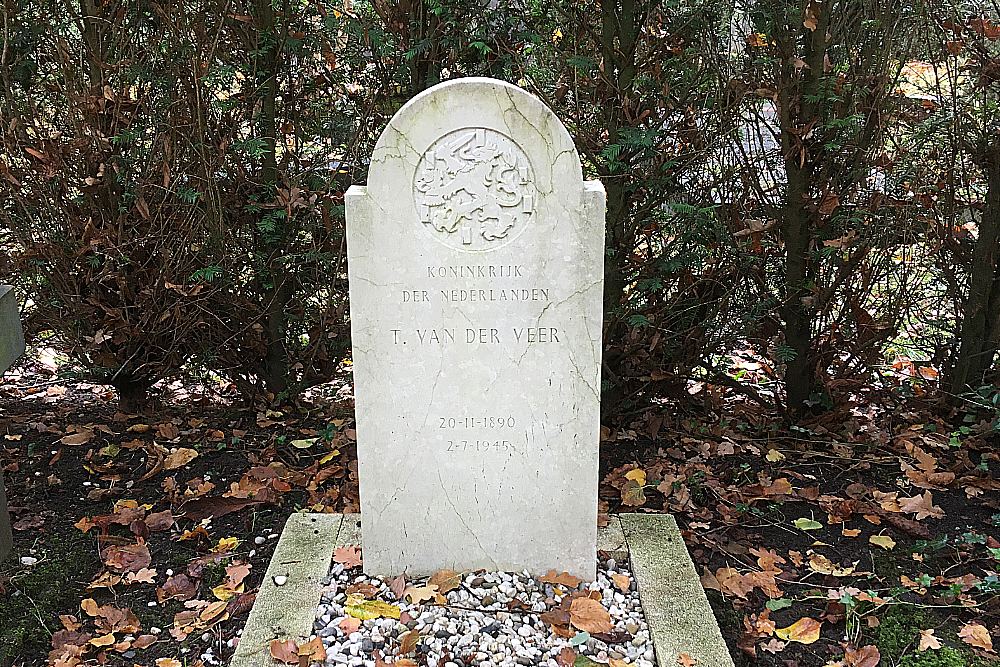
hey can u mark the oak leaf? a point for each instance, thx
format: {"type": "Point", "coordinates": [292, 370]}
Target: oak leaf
{"type": "Point", "coordinates": [928, 641]}
{"type": "Point", "coordinates": [685, 660]}
{"type": "Point", "coordinates": [589, 615]}
{"type": "Point", "coordinates": [923, 506]}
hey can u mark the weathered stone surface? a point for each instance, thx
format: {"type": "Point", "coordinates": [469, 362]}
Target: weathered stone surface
{"type": "Point", "coordinates": [11, 337]}
{"type": "Point", "coordinates": [475, 261]}
{"type": "Point", "coordinates": [677, 610]}
{"type": "Point", "coordinates": [11, 347]}
{"type": "Point", "coordinates": [680, 619]}
{"type": "Point", "coordinates": [301, 560]}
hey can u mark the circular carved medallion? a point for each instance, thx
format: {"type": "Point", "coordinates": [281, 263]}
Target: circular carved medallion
{"type": "Point", "coordinates": [474, 189]}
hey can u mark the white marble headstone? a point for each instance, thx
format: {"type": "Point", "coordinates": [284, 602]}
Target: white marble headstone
{"type": "Point", "coordinates": [475, 260]}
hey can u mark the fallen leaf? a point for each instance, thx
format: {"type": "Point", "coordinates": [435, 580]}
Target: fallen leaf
{"type": "Point", "coordinates": [446, 580]}
{"type": "Point", "coordinates": [178, 458]}
{"type": "Point", "coordinates": [561, 579]}
{"type": "Point", "coordinates": [408, 642]}
{"type": "Point", "coordinates": [286, 651]}
{"type": "Point", "coordinates": [866, 656]}
{"type": "Point", "coordinates": [923, 506]}
{"type": "Point", "coordinates": [358, 607]}
{"type": "Point", "coordinates": [807, 524]}
{"type": "Point", "coordinates": [773, 455]}
{"type": "Point", "coordinates": [632, 494]}
{"type": "Point", "coordinates": [685, 660]}
{"type": "Point", "coordinates": [349, 556]}
{"type": "Point", "coordinates": [804, 631]}
{"type": "Point", "coordinates": [127, 557]}
{"type": "Point", "coordinates": [103, 640]}
{"type": "Point", "coordinates": [589, 615]}
{"type": "Point", "coordinates": [774, 645]}
{"type": "Point", "coordinates": [883, 541]}
{"type": "Point", "coordinates": [637, 475]}
{"type": "Point", "coordinates": [928, 641]}
{"type": "Point", "coordinates": [823, 565]}
{"type": "Point", "coordinates": [397, 585]}
{"type": "Point", "coordinates": [167, 662]}
{"type": "Point", "coordinates": [976, 635]}
{"type": "Point", "coordinates": [79, 438]}
{"type": "Point", "coordinates": [418, 594]}
{"type": "Point", "coordinates": [313, 651]}
{"type": "Point", "coordinates": [350, 625]}
{"type": "Point", "coordinates": [622, 581]}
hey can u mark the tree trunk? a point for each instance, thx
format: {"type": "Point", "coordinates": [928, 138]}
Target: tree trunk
{"type": "Point", "coordinates": [979, 338]}
{"type": "Point", "coordinates": [278, 293]}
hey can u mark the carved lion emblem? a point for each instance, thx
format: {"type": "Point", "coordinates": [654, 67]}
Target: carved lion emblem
{"type": "Point", "coordinates": [474, 189]}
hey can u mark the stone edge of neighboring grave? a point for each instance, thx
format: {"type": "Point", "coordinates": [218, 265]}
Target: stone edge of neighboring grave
{"type": "Point", "coordinates": [676, 608]}
{"type": "Point", "coordinates": [11, 338]}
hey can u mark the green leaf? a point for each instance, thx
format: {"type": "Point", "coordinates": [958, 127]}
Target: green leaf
{"type": "Point", "coordinates": [580, 638]}
{"type": "Point", "coordinates": [584, 661]}
{"type": "Point", "coordinates": [780, 603]}
{"type": "Point", "coordinates": [807, 524]}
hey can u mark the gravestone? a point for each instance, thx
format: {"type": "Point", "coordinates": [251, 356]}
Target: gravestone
{"type": "Point", "coordinates": [476, 258]}
{"type": "Point", "coordinates": [11, 347]}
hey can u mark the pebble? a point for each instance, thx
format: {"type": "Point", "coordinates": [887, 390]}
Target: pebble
{"type": "Point", "coordinates": [494, 635]}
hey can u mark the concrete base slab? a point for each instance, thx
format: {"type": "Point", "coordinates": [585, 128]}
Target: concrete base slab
{"type": "Point", "coordinates": [679, 616]}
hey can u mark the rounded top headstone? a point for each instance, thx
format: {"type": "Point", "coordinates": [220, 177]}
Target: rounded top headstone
{"type": "Point", "coordinates": [477, 161]}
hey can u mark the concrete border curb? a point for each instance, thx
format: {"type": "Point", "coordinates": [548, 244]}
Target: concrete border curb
{"type": "Point", "coordinates": [680, 618]}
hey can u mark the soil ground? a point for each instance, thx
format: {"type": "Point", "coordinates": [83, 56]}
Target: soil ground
{"type": "Point", "coordinates": [140, 539]}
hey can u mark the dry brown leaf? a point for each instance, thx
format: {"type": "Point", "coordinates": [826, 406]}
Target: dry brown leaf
{"type": "Point", "coordinates": [178, 458]}
{"type": "Point", "coordinates": [446, 580]}
{"type": "Point", "coordinates": [928, 641]}
{"type": "Point", "coordinates": [561, 579]}
{"type": "Point", "coordinates": [590, 616]}
{"type": "Point", "coordinates": [398, 585]}
{"type": "Point", "coordinates": [313, 651]}
{"type": "Point", "coordinates": [976, 635]}
{"type": "Point", "coordinates": [167, 662]}
{"type": "Point", "coordinates": [286, 651]}
{"type": "Point", "coordinates": [127, 557]}
{"type": "Point", "coordinates": [103, 640]}
{"type": "Point", "coordinates": [923, 506]}
{"type": "Point", "coordinates": [622, 581]}
{"type": "Point", "coordinates": [349, 556]}
{"type": "Point", "coordinates": [866, 656]}
{"type": "Point", "coordinates": [408, 642]}
{"type": "Point", "coordinates": [685, 660]}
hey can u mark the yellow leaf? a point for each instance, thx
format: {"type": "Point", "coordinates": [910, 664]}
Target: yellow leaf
{"type": "Point", "coordinates": [804, 631]}
{"type": "Point", "coordinates": [225, 545]}
{"type": "Point", "coordinates": [358, 607]}
{"type": "Point", "coordinates": [883, 541]}
{"type": "Point", "coordinates": [638, 476]}
{"type": "Point", "coordinates": [329, 457]}
{"type": "Point", "coordinates": [773, 455]}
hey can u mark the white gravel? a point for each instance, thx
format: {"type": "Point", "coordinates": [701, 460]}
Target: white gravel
{"type": "Point", "coordinates": [477, 627]}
